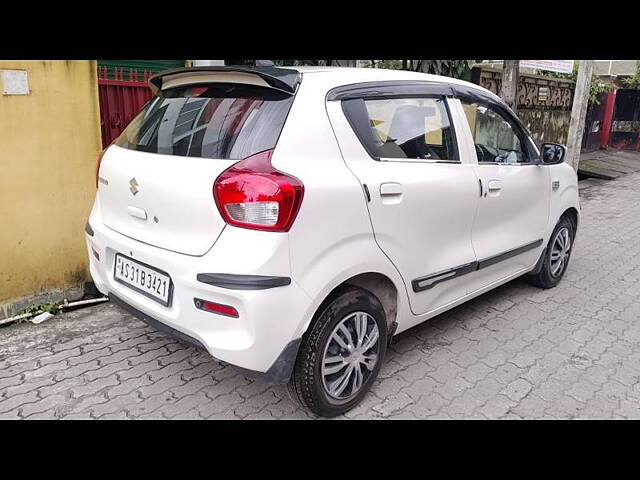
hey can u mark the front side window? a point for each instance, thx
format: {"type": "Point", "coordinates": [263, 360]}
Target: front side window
{"type": "Point", "coordinates": [223, 121]}
{"type": "Point", "coordinates": [495, 137]}
{"type": "Point", "coordinates": [412, 128]}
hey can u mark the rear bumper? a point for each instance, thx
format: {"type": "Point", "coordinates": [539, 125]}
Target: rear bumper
{"type": "Point", "coordinates": [152, 322]}
{"type": "Point", "coordinates": [263, 340]}
{"type": "Point", "coordinates": [278, 373]}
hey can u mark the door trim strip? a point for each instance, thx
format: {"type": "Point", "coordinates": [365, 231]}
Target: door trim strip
{"type": "Point", "coordinates": [487, 262]}
{"type": "Point", "coordinates": [429, 281]}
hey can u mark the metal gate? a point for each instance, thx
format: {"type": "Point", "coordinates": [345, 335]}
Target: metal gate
{"type": "Point", "coordinates": [625, 129]}
{"type": "Point", "coordinates": [120, 100]}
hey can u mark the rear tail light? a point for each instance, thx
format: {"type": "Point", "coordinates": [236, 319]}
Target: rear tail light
{"type": "Point", "coordinates": [218, 308]}
{"type": "Point", "coordinates": [253, 194]}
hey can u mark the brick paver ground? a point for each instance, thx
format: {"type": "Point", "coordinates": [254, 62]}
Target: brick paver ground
{"type": "Point", "coordinates": [516, 352]}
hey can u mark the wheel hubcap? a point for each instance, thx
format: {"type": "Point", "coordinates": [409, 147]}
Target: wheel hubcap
{"type": "Point", "coordinates": [560, 251]}
{"type": "Point", "coordinates": [350, 356]}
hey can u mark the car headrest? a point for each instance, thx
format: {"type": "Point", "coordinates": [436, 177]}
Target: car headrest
{"type": "Point", "coordinates": [408, 122]}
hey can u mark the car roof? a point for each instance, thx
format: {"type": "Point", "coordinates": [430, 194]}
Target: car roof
{"type": "Point", "coordinates": [287, 78]}
{"type": "Point", "coordinates": [339, 76]}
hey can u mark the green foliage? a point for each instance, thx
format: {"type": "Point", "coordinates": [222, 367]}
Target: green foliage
{"type": "Point", "coordinates": [570, 76]}
{"type": "Point", "coordinates": [448, 68]}
{"type": "Point", "coordinates": [283, 63]}
{"type": "Point", "coordinates": [634, 81]}
{"type": "Point", "coordinates": [388, 64]}
{"type": "Point", "coordinates": [596, 88]}
{"type": "Point", "coordinates": [53, 308]}
{"type": "Point", "coordinates": [299, 63]}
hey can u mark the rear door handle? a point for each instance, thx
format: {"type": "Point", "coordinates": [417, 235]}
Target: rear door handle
{"type": "Point", "coordinates": [494, 185]}
{"type": "Point", "coordinates": [391, 188]}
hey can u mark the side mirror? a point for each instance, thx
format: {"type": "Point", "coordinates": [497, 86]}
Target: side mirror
{"type": "Point", "coordinates": [552, 153]}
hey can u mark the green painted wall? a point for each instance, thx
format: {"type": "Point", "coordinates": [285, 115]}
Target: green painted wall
{"type": "Point", "coordinates": [141, 65]}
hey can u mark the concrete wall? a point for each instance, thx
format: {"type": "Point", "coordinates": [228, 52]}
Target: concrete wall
{"type": "Point", "coordinates": [544, 103]}
{"type": "Point", "coordinates": [546, 125]}
{"type": "Point", "coordinates": [49, 143]}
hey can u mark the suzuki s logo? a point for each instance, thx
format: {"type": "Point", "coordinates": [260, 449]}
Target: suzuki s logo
{"type": "Point", "coordinates": [134, 185]}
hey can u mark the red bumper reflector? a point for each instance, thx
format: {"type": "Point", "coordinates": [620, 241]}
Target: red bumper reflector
{"type": "Point", "coordinates": [226, 310]}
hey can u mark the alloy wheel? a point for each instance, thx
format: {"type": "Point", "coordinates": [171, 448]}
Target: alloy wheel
{"type": "Point", "coordinates": [350, 355]}
{"type": "Point", "coordinates": [560, 251]}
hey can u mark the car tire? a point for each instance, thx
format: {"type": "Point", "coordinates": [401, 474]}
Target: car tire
{"type": "Point", "coordinates": [334, 368]}
{"type": "Point", "coordinates": [556, 255]}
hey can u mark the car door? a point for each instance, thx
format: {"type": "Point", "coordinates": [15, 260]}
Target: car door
{"type": "Point", "coordinates": [513, 210]}
{"type": "Point", "coordinates": [401, 145]}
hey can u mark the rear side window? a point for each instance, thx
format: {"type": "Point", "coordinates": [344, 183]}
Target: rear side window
{"type": "Point", "coordinates": [223, 121]}
{"type": "Point", "coordinates": [413, 128]}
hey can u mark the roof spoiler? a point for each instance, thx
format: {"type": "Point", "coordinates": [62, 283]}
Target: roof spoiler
{"type": "Point", "coordinates": [283, 79]}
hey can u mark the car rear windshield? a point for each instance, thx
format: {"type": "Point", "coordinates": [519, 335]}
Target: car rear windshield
{"type": "Point", "coordinates": [223, 121]}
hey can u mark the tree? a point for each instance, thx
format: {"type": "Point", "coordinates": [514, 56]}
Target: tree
{"type": "Point", "coordinates": [448, 68]}
{"type": "Point", "coordinates": [302, 63]}
{"type": "Point", "coordinates": [284, 63]}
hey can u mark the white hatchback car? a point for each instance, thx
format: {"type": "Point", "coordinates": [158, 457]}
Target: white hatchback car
{"type": "Point", "coordinates": [291, 221]}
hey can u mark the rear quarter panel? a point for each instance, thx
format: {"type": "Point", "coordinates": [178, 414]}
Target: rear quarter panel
{"type": "Point", "coordinates": [332, 237]}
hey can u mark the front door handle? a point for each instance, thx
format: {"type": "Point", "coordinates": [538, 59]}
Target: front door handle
{"type": "Point", "coordinates": [391, 188]}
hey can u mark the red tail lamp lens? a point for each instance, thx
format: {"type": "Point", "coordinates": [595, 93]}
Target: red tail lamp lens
{"type": "Point", "coordinates": [253, 194]}
{"type": "Point", "coordinates": [218, 308]}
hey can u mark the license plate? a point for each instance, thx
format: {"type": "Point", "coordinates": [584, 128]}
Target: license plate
{"type": "Point", "coordinates": [144, 279]}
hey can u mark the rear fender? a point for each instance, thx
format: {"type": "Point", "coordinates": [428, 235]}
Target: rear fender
{"type": "Point", "coordinates": [358, 255]}
{"type": "Point", "coordinates": [332, 238]}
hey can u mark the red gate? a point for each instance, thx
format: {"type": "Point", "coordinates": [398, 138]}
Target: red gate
{"type": "Point", "coordinates": [621, 124]}
{"type": "Point", "coordinates": [120, 100]}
